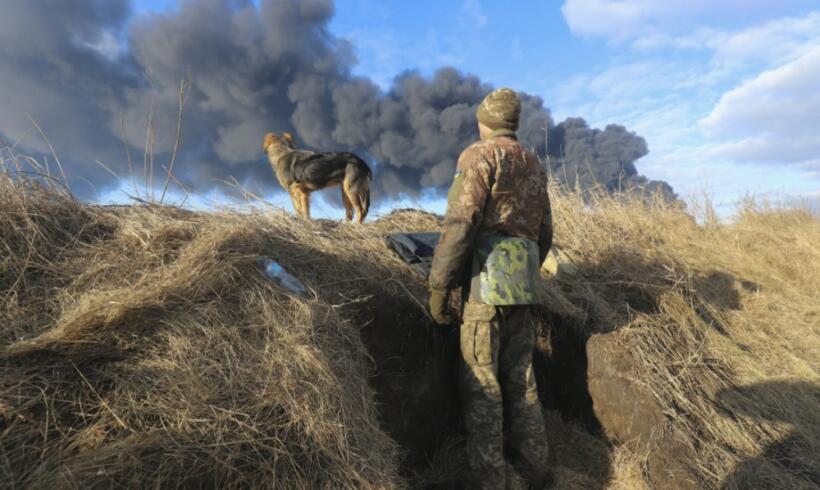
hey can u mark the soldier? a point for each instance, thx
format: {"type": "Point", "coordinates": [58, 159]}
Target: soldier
{"type": "Point", "coordinates": [497, 232]}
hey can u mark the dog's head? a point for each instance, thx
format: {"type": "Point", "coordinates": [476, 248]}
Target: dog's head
{"type": "Point", "coordinates": [279, 143]}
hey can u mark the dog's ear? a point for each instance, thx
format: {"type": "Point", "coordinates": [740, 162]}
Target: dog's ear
{"type": "Point", "coordinates": [288, 139]}
{"type": "Point", "coordinates": [269, 138]}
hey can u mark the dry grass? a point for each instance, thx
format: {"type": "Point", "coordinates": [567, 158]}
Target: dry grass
{"type": "Point", "coordinates": [723, 321]}
{"type": "Point", "coordinates": [143, 346]}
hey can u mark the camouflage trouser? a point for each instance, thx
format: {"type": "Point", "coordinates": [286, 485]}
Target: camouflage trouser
{"type": "Point", "coordinates": [500, 398]}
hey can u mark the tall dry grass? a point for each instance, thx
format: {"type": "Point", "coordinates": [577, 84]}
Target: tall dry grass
{"type": "Point", "coordinates": [723, 323]}
{"type": "Point", "coordinates": [142, 345]}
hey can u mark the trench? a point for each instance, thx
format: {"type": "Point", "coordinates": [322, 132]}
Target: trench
{"type": "Point", "coordinates": [415, 377]}
{"type": "Point", "coordinates": [560, 364]}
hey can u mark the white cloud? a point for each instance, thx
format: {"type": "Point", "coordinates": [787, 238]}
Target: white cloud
{"type": "Point", "coordinates": [681, 24]}
{"type": "Point", "coordinates": [770, 44]}
{"type": "Point", "coordinates": [774, 42]}
{"type": "Point", "coordinates": [652, 97]}
{"type": "Point", "coordinates": [700, 38]}
{"type": "Point", "coordinates": [623, 19]}
{"type": "Point", "coordinates": [733, 109]}
{"type": "Point", "coordinates": [772, 117]}
{"type": "Point", "coordinates": [602, 18]}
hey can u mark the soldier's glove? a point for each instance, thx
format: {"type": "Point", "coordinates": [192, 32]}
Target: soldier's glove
{"type": "Point", "coordinates": [439, 301]}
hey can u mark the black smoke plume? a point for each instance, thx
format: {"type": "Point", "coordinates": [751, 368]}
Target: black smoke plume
{"type": "Point", "coordinates": [594, 158]}
{"type": "Point", "coordinates": [86, 69]}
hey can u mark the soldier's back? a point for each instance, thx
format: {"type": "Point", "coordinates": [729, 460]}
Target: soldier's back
{"type": "Point", "coordinates": [518, 194]}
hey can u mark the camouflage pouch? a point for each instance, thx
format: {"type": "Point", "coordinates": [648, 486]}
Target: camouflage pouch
{"type": "Point", "coordinates": [509, 270]}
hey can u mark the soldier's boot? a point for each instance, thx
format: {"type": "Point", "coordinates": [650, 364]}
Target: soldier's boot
{"type": "Point", "coordinates": [483, 413]}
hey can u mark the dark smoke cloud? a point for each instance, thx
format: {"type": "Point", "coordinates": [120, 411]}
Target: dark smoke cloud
{"type": "Point", "coordinates": [49, 71]}
{"type": "Point", "coordinates": [604, 158]}
{"type": "Point", "coordinates": [83, 68]}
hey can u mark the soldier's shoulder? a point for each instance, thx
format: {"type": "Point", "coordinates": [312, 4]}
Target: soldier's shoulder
{"type": "Point", "coordinates": [474, 154]}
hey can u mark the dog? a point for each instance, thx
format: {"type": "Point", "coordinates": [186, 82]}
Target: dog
{"type": "Point", "coordinates": [301, 172]}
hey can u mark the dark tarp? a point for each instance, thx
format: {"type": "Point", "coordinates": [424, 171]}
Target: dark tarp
{"type": "Point", "coordinates": [415, 248]}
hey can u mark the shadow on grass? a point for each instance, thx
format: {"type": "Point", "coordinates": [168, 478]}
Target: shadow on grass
{"type": "Point", "coordinates": [791, 461]}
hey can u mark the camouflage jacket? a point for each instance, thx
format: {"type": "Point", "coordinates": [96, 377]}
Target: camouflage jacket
{"type": "Point", "coordinates": [499, 189]}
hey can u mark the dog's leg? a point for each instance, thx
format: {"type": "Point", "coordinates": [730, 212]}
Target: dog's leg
{"type": "Point", "coordinates": [360, 212]}
{"type": "Point", "coordinates": [306, 204]}
{"type": "Point", "coordinates": [296, 197]}
{"type": "Point", "coordinates": [347, 203]}
{"type": "Point", "coordinates": [361, 200]}
{"type": "Point", "coordinates": [364, 201]}
{"type": "Point", "coordinates": [355, 187]}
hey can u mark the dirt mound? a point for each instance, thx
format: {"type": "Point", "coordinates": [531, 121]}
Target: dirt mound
{"type": "Point", "coordinates": [143, 346]}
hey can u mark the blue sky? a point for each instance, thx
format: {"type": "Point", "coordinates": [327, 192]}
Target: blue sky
{"type": "Point", "coordinates": [724, 92]}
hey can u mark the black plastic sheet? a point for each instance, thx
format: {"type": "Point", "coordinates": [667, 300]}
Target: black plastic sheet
{"type": "Point", "coordinates": [415, 248]}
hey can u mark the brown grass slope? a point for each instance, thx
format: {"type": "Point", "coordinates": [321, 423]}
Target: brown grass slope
{"type": "Point", "coordinates": [143, 346]}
